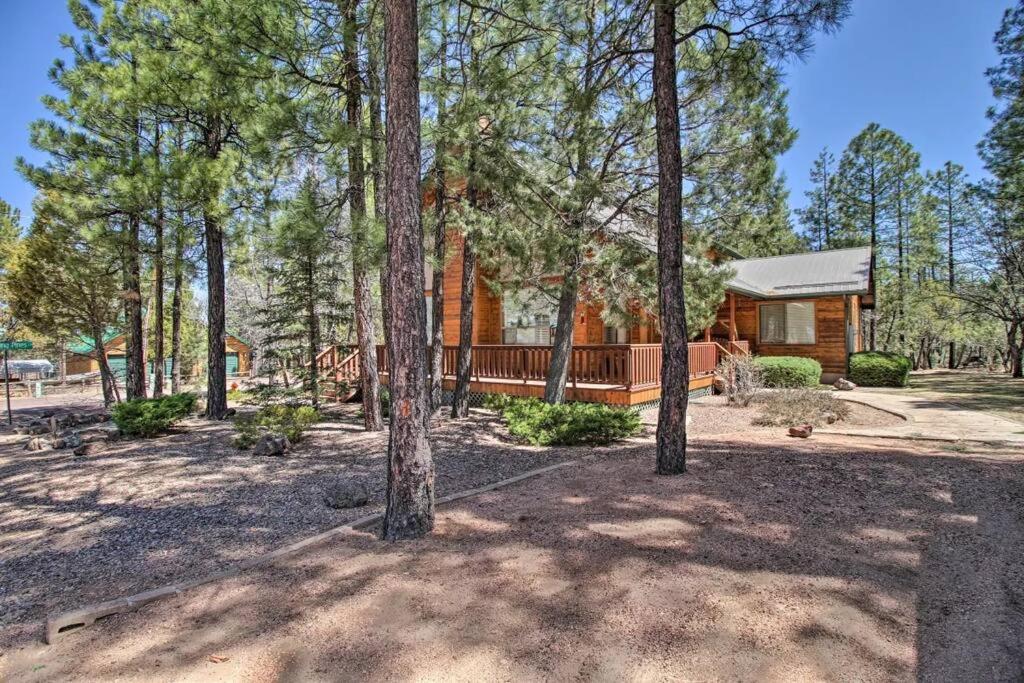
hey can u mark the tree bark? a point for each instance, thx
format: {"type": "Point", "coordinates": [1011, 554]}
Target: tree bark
{"type": "Point", "coordinates": [1015, 349]}
{"type": "Point", "coordinates": [107, 380]}
{"type": "Point", "coordinates": [561, 349]}
{"type": "Point", "coordinates": [179, 277]}
{"type": "Point", "coordinates": [216, 364]}
{"type": "Point", "coordinates": [464, 365]}
{"type": "Point", "coordinates": [671, 435]}
{"type": "Point", "coordinates": [410, 495]}
{"type": "Point", "coordinates": [437, 290]}
{"type": "Point", "coordinates": [373, 81]}
{"type": "Point", "coordinates": [158, 283]}
{"type": "Point", "coordinates": [313, 330]}
{"type": "Point", "coordinates": [362, 290]}
{"type": "Point", "coordinates": [949, 252]}
{"type": "Point", "coordinates": [135, 382]}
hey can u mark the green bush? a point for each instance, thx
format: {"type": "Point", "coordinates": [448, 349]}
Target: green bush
{"type": "Point", "coordinates": [498, 402]}
{"type": "Point", "coordinates": [148, 417]}
{"type": "Point", "coordinates": [567, 424]}
{"type": "Point", "coordinates": [789, 371]}
{"type": "Point", "coordinates": [290, 421]}
{"type": "Point", "coordinates": [791, 407]}
{"type": "Point", "coordinates": [878, 369]}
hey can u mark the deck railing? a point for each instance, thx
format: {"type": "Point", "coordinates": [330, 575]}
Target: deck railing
{"type": "Point", "coordinates": [632, 366]}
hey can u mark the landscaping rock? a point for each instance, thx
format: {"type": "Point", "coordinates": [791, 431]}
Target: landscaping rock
{"type": "Point", "coordinates": [831, 418]}
{"type": "Point", "coordinates": [68, 441]}
{"type": "Point", "coordinates": [230, 412]}
{"type": "Point", "coordinates": [844, 385]}
{"type": "Point", "coordinates": [346, 494]}
{"type": "Point", "coordinates": [38, 444]}
{"type": "Point", "coordinates": [271, 445]}
{"type": "Point", "coordinates": [90, 449]}
{"type": "Point", "coordinates": [93, 436]}
{"type": "Point", "coordinates": [801, 431]}
{"type": "Point", "coordinates": [719, 384]}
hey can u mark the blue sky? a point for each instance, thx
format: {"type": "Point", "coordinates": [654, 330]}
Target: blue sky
{"type": "Point", "coordinates": [916, 66]}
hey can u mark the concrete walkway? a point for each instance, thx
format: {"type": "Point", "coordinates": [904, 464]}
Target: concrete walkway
{"type": "Point", "coordinates": [930, 418]}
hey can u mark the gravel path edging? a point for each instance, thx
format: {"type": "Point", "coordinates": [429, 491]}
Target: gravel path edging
{"type": "Point", "coordinates": [65, 622]}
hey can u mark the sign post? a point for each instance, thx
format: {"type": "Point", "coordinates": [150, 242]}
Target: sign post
{"type": "Point", "coordinates": [7, 347]}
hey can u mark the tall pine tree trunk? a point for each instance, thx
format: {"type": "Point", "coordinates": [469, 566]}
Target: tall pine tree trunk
{"type": "Point", "coordinates": [158, 281]}
{"type": "Point", "coordinates": [464, 363]}
{"type": "Point", "coordinates": [135, 382]}
{"type": "Point", "coordinates": [216, 363]}
{"type": "Point", "coordinates": [561, 349]}
{"type": "Point", "coordinates": [1015, 348]}
{"type": "Point", "coordinates": [362, 290]}
{"type": "Point", "coordinates": [312, 330]}
{"type": "Point", "coordinates": [410, 495]}
{"type": "Point", "coordinates": [900, 268]}
{"type": "Point", "coordinates": [675, 384]}
{"type": "Point", "coordinates": [107, 380]}
{"type": "Point", "coordinates": [874, 255]}
{"type": "Point", "coordinates": [949, 252]}
{"type": "Point", "coordinates": [179, 278]}
{"type": "Point", "coordinates": [437, 288]}
{"type": "Point", "coordinates": [373, 81]}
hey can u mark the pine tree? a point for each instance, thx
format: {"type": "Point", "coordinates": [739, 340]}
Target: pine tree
{"type": "Point", "coordinates": [819, 217]}
{"type": "Point", "coordinates": [410, 496]}
{"type": "Point", "coordinates": [954, 209]}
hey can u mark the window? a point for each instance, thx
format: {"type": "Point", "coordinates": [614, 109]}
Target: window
{"type": "Point", "coordinates": [787, 323]}
{"type": "Point", "coordinates": [616, 335]}
{"type": "Point", "coordinates": [528, 317]}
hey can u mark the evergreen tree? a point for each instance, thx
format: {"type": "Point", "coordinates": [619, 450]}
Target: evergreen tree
{"type": "Point", "coordinates": [820, 217]}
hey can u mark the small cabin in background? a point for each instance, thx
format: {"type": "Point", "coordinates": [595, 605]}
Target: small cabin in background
{"type": "Point", "coordinates": [82, 357]}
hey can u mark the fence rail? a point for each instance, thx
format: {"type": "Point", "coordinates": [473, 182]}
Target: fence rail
{"type": "Point", "coordinates": [633, 366]}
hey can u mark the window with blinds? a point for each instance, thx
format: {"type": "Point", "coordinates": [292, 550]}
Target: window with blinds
{"type": "Point", "coordinates": [528, 317]}
{"type": "Point", "coordinates": [791, 323]}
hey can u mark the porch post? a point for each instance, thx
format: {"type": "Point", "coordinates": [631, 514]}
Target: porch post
{"type": "Point", "coordinates": [707, 334]}
{"type": "Point", "coordinates": [732, 316]}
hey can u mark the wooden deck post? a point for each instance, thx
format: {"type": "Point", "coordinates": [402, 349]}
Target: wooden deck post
{"type": "Point", "coordinates": [732, 317]}
{"type": "Point", "coordinates": [707, 334]}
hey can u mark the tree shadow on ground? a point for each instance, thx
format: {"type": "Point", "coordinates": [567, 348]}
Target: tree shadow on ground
{"type": "Point", "coordinates": [981, 391]}
{"type": "Point", "coordinates": [780, 560]}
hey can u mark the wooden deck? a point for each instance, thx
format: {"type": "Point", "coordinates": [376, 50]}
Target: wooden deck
{"type": "Point", "coordinates": [616, 374]}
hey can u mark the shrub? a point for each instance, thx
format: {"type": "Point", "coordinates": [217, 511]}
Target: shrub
{"type": "Point", "coordinates": [789, 371]}
{"type": "Point", "coordinates": [498, 402]}
{"type": "Point", "coordinates": [878, 369]}
{"type": "Point", "coordinates": [567, 424]}
{"type": "Point", "coordinates": [148, 417]}
{"type": "Point", "coordinates": [741, 379]}
{"type": "Point", "coordinates": [791, 407]}
{"type": "Point", "coordinates": [291, 421]}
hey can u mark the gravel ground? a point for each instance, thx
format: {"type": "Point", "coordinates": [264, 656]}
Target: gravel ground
{"type": "Point", "coordinates": [146, 513]}
{"type": "Point", "coordinates": [771, 560]}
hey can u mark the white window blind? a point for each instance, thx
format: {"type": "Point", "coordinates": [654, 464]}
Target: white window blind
{"type": "Point", "coordinates": [528, 317]}
{"type": "Point", "coordinates": [787, 323]}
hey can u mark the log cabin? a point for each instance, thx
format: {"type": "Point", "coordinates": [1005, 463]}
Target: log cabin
{"type": "Point", "coordinates": [82, 357]}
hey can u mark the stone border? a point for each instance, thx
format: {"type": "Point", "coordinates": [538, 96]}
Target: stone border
{"type": "Point", "coordinates": [63, 623]}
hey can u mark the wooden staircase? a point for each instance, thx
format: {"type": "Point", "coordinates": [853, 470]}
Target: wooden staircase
{"type": "Point", "coordinates": [338, 370]}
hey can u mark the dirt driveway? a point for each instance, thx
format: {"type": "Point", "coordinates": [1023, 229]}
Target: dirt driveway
{"type": "Point", "coordinates": [777, 560]}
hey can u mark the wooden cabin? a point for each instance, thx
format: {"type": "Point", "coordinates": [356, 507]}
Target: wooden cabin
{"type": "Point", "coordinates": [82, 357]}
{"type": "Point", "coordinates": [805, 305]}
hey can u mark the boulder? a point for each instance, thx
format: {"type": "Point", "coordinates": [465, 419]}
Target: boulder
{"type": "Point", "coordinates": [843, 384]}
{"type": "Point", "coordinates": [801, 431]}
{"type": "Point", "coordinates": [90, 449]}
{"type": "Point", "coordinates": [230, 412]}
{"type": "Point", "coordinates": [271, 445]}
{"type": "Point", "coordinates": [346, 494]}
{"type": "Point", "coordinates": [93, 435]}
{"type": "Point", "coordinates": [38, 444]}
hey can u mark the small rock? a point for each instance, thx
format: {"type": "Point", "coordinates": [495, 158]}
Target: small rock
{"type": "Point", "coordinates": [90, 449]}
{"type": "Point", "coordinates": [346, 494]}
{"type": "Point", "coordinates": [271, 445]}
{"type": "Point", "coordinates": [801, 431]}
{"type": "Point", "coordinates": [843, 384]}
{"type": "Point", "coordinates": [37, 444]}
{"type": "Point", "coordinates": [830, 417]}
{"type": "Point", "coordinates": [37, 429]}
{"type": "Point", "coordinates": [230, 412]}
{"type": "Point", "coordinates": [719, 384]}
{"type": "Point", "coordinates": [93, 436]}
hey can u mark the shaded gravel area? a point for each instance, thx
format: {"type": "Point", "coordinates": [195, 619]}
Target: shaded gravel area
{"type": "Point", "coordinates": [146, 513]}
{"type": "Point", "coordinates": [772, 560]}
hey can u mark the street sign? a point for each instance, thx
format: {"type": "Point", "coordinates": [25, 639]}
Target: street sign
{"type": "Point", "coordinates": [15, 345]}
{"type": "Point", "coordinates": [7, 347]}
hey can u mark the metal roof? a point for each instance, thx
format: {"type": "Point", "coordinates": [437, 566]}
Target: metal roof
{"type": "Point", "coordinates": [816, 273]}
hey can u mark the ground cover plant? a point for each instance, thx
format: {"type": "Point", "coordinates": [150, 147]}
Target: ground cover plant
{"type": "Point", "coordinates": [565, 424]}
{"type": "Point", "coordinates": [795, 406]}
{"type": "Point", "coordinates": [879, 369]}
{"type": "Point", "coordinates": [289, 420]}
{"type": "Point", "coordinates": [789, 371]}
{"type": "Point", "coordinates": [147, 417]}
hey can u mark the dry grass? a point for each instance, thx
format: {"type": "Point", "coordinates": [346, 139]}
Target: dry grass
{"type": "Point", "coordinates": [790, 407]}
